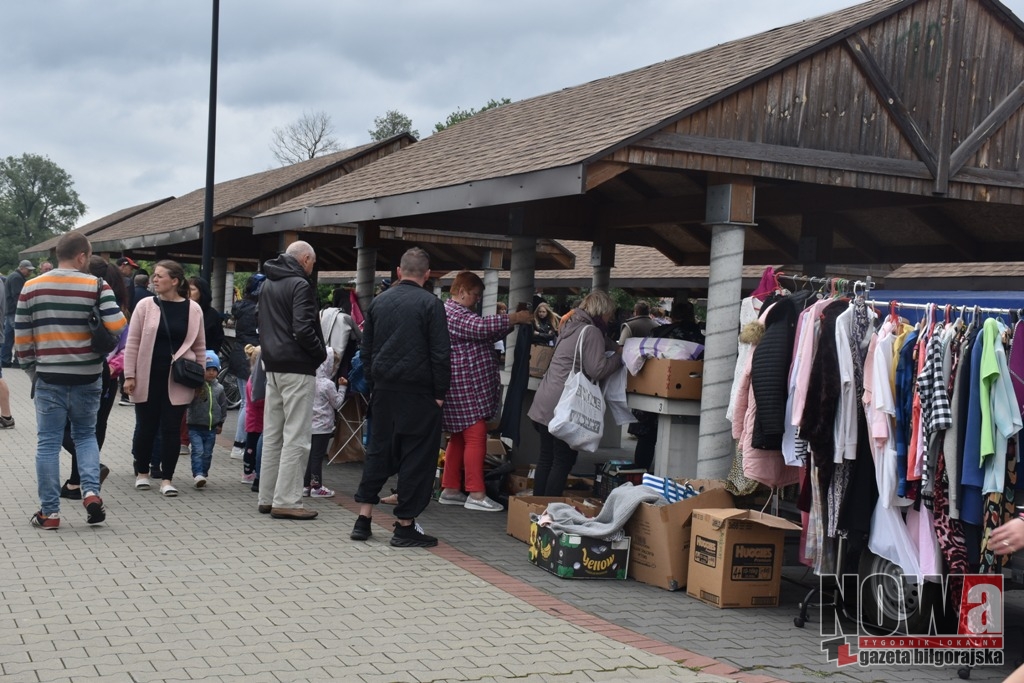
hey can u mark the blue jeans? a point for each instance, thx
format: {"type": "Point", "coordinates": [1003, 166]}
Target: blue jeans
{"type": "Point", "coordinates": [56, 405]}
{"type": "Point", "coordinates": [7, 350]}
{"type": "Point", "coordinates": [202, 449]}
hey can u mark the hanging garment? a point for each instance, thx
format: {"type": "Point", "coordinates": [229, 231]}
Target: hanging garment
{"type": "Point", "coordinates": [972, 476]}
{"type": "Point", "coordinates": [750, 307]}
{"type": "Point", "coordinates": [817, 423]}
{"type": "Point", "coordinates": [905, 373]}
{"type": "Point", "coordinates": [1006, 417]}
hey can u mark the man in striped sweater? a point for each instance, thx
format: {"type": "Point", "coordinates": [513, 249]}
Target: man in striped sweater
{"type": "Point", "coordinates": [53, 344]}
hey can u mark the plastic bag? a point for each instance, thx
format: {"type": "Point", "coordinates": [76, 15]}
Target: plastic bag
{"type": "Point", "coordinates": [579, 414]}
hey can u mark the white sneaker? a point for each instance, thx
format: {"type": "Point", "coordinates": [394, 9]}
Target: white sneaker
{"type": "Point", "coordinates": [248, 478]}
{"type": "Point", "coordinates": [237, 453]}
{"type": "Point", "coordinates": [322, 492]}
{"type": "Point", "coordinates": [484, 505]}
{"type": "Point", "coordinates": [185, 450]}
{"type": "Point", "coordinates": [200, 481]}
{"type": "Point", "coordinates": [449, 499]}
{"type": "Point", "coordinates": [305, 492]}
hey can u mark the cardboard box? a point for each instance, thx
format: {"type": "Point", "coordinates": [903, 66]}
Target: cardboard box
{"type": "Point", "coordinates": [573, 556]}
{"type": "Point", "coordinates": [540, 359]}
{"type": "Point", "coordinates": [660, 550]}
{"type": "Point", "coordinates": [496, 447]}
{"type": "Point", "coordinates": [668, 379]}
{"type": "Point", "coordinates": [519, 510]}
{"type": "Point", "coordinates": [736, 557]}
{"type": "Point", "coordinates": [518, 483]}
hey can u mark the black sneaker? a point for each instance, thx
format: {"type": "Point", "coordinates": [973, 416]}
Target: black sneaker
{"type": "Point", "coordinates": [411, 536]}
{"type": "Point", "coordinates": [255, 485]}
{"type": "Point", "coordinates": [361, 531]}
{"type": "Point", "coordinates": [94, 508]}
{"type": "Point", "coordinates": [71, 494]}
{"type": "Point", "coordinates": [6, 422]}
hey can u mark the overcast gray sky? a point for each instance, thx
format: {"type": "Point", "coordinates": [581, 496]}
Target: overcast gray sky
{"type": "Point", "coordinates": [116, 91]}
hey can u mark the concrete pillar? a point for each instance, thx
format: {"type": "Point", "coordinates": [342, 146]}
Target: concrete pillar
{"type": "Point", "coordinates": [492, 269]}
{"type": "Point", "coordinates": [229, 286]}
{"type": "Point", "coordinates": [367, 240]}
{"type": "Point", "coordinates": [730, 209]}
{"type": "Point", "coordinates": [218, 284]}
{"type": "Point", "coordinates": [520, 283]}
{"type": "Point", "coordinates": [602, 259]}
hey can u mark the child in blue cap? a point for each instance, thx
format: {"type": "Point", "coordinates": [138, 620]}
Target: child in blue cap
{"type": "Point", "coordinates": [205, 419]}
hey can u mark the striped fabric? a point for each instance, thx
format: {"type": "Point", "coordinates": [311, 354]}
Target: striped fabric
{"type": "Point", "coordinates": [51, 329]}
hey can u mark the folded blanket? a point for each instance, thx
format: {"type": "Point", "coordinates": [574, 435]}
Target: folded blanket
{"type": "Point", "coordinates": [622, 501]}
{"type": "Point", "coordinates": [638, 349]}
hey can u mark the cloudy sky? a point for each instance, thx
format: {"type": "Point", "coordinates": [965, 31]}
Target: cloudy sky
{"type": "Point", "coordinates": [116, 91]}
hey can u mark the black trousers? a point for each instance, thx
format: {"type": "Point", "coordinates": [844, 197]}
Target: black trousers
{"type": "Point", "coordinates": [405, 439]}
{"type": "Point", "coordinates": [554, 464]}
{"type": "Point", "coordinates": [157, 414]}
{"type": "Point", "coordinates": [107, 397]}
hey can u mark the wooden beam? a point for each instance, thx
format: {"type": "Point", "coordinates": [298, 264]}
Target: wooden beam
{"type": "Point", "coordinates": [951, 231]}
{"type": "Point", "coordinates": [956, 10]}
{"type": "Point", "coordinates": [770, 232]}
{"type": "Point", "coordinates": [973, 142]}
{"type": "Point", "coordinates": [664, 245]}
{"type": "Point", "coordinates": [891, 100]}
{"type": "Point", "coordinates": [781, 154]}
{"type": "Point", "coordinates": [601, 172]}
{"type": "Point", "coordinates": [859, 241]}
{"type": "Point", "coordinates": [638, 185]}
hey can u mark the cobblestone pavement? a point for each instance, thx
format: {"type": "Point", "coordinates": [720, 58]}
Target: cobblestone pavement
{"type": "Point", "coordinates": [203, 587]}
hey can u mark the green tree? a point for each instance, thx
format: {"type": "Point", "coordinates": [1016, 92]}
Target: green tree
{"type": "Point", "coordinates": [392, 123]}
{"type": "Point", "coordinates": [460, 115]}
{"type": "Point", "coordinates": [37, 201]}
{"type": "Point", "coordinates": [311, 136]}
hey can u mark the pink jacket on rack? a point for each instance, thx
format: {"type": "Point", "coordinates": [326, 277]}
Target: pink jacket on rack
{"type": "Point", "coordinates": [138, 352]}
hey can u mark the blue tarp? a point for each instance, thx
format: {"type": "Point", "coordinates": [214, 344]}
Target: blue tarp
{"type": "Point", "coordinates": [1008, 300]}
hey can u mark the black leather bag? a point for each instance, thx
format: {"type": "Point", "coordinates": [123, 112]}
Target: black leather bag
{"type": "Point", "coordinates": [185, 372]}
{"type": "Point", "coordinates": [188, 373]}
{"type": "Point", "coordinates": [103, 342]}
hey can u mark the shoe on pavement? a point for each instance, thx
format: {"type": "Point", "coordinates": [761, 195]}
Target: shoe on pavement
{"type": "Point", "coordinates": [484, 505]}
{"type": "Point", "coordinates": [255, 485]}
{"type": "Point", "coordinates": [49, 522]}
{"type": "Point", "coordinates": [185, 449]}
{"type": "Point", "coordinates": [321, 492]}
{"type": "Point", "coordinates": [200, 481]}
{"type": "Point", "coordinates": [249, 478]}
{"type": "Point", "coordinates": [168, 490]}
{"type": "Point", "coordinates": [142, 483]}
{"type": "Point", "coordinates": [7, 422]}
{"type": "Point", "coordinates": [361, 530]}
{"type": "Point", "coordinates": [95, 512]}
{"type": "Point", "coordinates": [70, 493]}
{"type": "Point", "coordinates": [305, 492]}
{"type": "Point", "coordinates": [104, 473]}
{"type": "Point", "coordinates": [264, 509]}
{"type": "Point", "coordinates": [293, 513]}
{"type": "Point", "coordinates": [411, 536]}
{"type": "Point", "coordinates": [237, 452]}
{"type": "Point", "coordinates": [124, 401]}
{"type": "Point", "coordinates": [449, 499]}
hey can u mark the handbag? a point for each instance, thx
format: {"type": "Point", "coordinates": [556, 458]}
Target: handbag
{"type": "Point", "coordinates": [185, 372]}
{"type": "Point", "coordinates": [579, 413]}
{"type": "Point", "coordinates": [103, 342]}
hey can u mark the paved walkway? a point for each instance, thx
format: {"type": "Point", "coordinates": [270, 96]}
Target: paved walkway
{"type": "Point", "coordinates": [203, 587]}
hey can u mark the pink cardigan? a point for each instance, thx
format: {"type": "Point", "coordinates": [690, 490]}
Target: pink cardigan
{"type": "Point", "coordinates": [138, 351]}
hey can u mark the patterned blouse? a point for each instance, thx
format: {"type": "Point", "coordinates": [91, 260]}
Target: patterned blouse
{"type": "Point", "coordinates": [475, 389]}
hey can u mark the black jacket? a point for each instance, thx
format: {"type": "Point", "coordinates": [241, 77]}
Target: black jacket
{"type": "Point", "coordinates": [405, 343]}
{"type": "Point", "coordinates": [290, 336]}
{"type": "Point", "coordinates": [15, 281]}
{"type": "Point", "coordinates": [769, 370]}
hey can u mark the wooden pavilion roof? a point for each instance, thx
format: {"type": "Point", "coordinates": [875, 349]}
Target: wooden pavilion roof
{"type": "Point", "coordinates": [42, 250]}
{"type": "Point", "coordinates": [884, 132]}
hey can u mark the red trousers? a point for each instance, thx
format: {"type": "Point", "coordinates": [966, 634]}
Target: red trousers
{"type": "Point", "coordinates": [465, 452]}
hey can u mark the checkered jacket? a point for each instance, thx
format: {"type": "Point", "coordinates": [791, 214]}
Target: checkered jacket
{"type": "Point", "coordinates": [475, 389]}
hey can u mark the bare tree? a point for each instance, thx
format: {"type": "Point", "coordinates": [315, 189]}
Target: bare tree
{"type": "Point", "coordinates": [309, 137]}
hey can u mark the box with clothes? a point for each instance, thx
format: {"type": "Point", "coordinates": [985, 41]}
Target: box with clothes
{"type": "Point", "coordinates": [680, 379]}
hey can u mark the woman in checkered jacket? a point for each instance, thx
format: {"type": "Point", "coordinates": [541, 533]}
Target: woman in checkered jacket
{"type": "Point", "coordinates": [473, 396]}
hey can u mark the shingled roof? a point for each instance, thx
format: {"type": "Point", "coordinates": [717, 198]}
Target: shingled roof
{"type": "Point", "coordinates": [43, 248]}
{"type": "Point", "coordinates": [570, 127]}
{"type": "Point", "coordinates": [183, 216]}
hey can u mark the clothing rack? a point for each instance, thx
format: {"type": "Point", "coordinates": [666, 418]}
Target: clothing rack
{"type": "Point", "coordinates": [941, 307]}
{"type": "Point", "coordinates": [837, 284]}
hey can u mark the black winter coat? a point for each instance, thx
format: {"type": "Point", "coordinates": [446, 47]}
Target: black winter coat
{"type": "Point", "coordinates": [290, 337]}
{"type": "Point", "coordinates": [769, 370]}
{"type": "Point", "coordinates": [405, 344]}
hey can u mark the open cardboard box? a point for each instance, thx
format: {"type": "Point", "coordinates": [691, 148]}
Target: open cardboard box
{"type": "Point", "coordinates": [736, 557]}
{"type": "Point", "coordinates": [521, 507]}
{"type": "Point", "coordinates": [660, 550]}
{"type": "Point", "coordinates": [668, 379]}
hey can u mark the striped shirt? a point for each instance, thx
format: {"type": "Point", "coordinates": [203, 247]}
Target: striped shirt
{"type": "Point", "coordinates": [51, 328]}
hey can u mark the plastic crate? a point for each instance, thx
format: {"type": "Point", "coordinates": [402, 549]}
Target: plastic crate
{"type": "Point", "coordinates": [609, 475]}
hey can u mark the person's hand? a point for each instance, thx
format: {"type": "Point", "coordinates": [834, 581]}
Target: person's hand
{"type": "Point", "coordinates": [220, 428]}
{"type": "Point", "coordinates": [342, 381]}
{"type": "Point", "coordinates": [520, 318]}
{"type": "Point", "coordinates": [1007, 538]}
{"type": "Point", "coordinates": [439, 402]}
{"type": "Point", "coordinates": [129, 386]}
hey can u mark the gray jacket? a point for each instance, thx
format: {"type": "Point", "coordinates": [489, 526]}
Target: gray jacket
{"type": "Point", "coordinates": [209, 408]}
{"type": "Point", "coordinates": [596, 366]}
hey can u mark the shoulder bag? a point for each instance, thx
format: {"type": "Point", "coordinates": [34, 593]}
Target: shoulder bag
{"type": "Point", "coordinates": [579, 413]}
{"type": "Point", "coordinates": [185, 372]}
{"type": "Point", "coordinates": [103, 342]}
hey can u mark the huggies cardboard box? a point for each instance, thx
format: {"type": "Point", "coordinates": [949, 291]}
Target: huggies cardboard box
{"type": "Point", "coordinates": [736, 557]}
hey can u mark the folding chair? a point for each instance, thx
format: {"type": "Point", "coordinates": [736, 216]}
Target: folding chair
{"type": "Point", "coordinates": [350, 425]}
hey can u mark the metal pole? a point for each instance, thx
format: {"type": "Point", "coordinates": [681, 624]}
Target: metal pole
{"type": "Point", "coordinates": [211, 141]}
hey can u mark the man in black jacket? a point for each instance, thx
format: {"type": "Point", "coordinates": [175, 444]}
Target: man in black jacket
{"type": "Point", "coordinates": [406, 353]}
{"type": "Point", "coordinates": [15, 281]}
{"type": "Point", "coordinates": [292, 348]}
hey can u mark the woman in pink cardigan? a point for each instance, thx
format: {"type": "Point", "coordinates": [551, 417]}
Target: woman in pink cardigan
{"type": "Point", "coordinates": [164, 326]}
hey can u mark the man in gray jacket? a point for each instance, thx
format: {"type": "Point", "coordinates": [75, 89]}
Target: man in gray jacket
{"type": "Point", "coordinates": [292, 348]}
